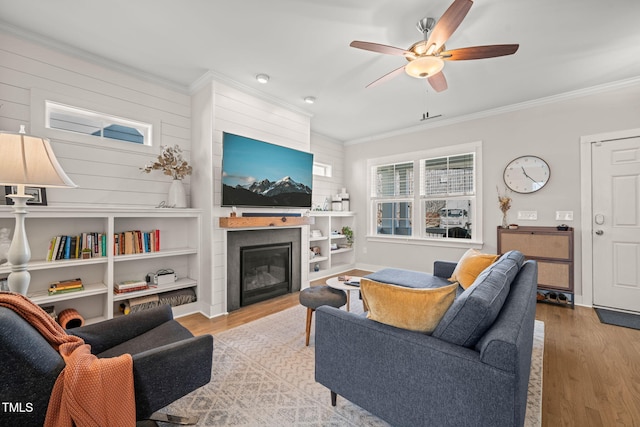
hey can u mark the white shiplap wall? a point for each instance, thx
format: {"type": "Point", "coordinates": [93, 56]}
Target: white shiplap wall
{"type": "Point", "coordinates": [106, 173]}
{"type": "Point", "coordinates": [221, 108]}
{"type": "Point", "coordinates": [330, 152]}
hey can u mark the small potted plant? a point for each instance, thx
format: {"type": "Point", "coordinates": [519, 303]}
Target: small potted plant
{"type": "Point", "coordinates": [348, 233]}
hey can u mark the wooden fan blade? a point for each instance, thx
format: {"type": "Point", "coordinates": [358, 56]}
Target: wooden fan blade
{"type": "Point", "coordinates": [448, 23]}
{"type": "Point", "coordinates": [380, 48]}
{"type": "Point", "coordinates": [438, 82]}
{"type": "Point", "coordinates": [386, 77]}
{"type": "Point", "coordinates": [479, 52]}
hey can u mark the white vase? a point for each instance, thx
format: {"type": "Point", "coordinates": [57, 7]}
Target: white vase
{"type": "Point", "coordinates": [177, 197]}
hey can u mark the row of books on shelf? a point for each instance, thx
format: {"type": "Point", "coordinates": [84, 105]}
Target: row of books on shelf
{"type": "Point", "coordinates": [85, 245]}
{"type": "Point", "coordinates": [73, 285]}
{"type": "Point", "coordinates": [91, 245]}
{"type": "Point", "coordinates": [136, 242]}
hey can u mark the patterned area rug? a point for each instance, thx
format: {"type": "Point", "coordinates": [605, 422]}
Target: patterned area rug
{"type": "Point", "coordinates": [263, 375]}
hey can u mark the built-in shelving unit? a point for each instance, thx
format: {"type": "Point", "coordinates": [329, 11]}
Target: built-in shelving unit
{"type": "Point", "coordinates": [180, 231]}
{"type": "Point", "coordinates": [329, 224]}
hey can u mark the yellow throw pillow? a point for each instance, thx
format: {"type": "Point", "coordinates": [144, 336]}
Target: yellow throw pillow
{"type": "Point", "coordinates": [416, 309]}
{"type": "Point", "coordinates": [470, 266]}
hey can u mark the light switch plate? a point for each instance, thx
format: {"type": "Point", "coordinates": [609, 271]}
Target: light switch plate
{"type": "Point", "coordinates": [528, 215]}
{"type": "Point", "coordinates": [564, 215]}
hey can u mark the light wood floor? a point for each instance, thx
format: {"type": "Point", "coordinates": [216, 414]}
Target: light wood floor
{"type": "Point", "coordinates": [591, 370]}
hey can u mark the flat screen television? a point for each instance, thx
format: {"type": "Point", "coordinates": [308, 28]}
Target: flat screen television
{"type": "Point", "coordinates": [259, 174]}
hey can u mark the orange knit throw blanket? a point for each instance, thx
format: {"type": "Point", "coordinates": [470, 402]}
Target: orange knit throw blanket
{"type": "Point", "coordinates": [89, 391]}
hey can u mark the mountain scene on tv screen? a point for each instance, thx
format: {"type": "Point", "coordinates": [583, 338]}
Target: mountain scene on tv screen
{"type": "Point", "coordinates": [283, 192]}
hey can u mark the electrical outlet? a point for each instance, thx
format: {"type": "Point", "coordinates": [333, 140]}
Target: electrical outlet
{"type": "Point", "coordinates": [364, 250]}
{"type": "Point", "coordinates": [564, 215]}
{"type": "Point", "coordinates": [528, 215]}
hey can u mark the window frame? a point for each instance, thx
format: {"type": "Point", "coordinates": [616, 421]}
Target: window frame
{"type": "Point", "coordinates": [39, 97]}
{"type": "Point", "coordinates": [403, 192]}
{"type": "Point", "coordinates": [417, 199]}
{"type": "Point", "coordinates": [105, 120]}
{"type": "Point", "coordinates": [325, 168]}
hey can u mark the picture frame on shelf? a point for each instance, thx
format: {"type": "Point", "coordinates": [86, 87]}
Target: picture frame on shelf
{"type": "Point", "coordinates": [39, 195]}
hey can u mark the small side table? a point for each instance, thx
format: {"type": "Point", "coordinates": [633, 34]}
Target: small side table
{"type": "Point", "coordinates": [333, 282]}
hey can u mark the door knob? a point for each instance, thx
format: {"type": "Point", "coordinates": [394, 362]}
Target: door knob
{"type": "Point", "coordinates": [599, 232]}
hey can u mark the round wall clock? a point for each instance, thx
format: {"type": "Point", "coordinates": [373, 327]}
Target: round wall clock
{"type": "Point", "coordinates": [526, 174]}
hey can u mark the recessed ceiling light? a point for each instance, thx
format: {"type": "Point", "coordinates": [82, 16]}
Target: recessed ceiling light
{"type": "Point", "coordinates": [310, 99]}
{"type": "Point", "coordinates": [262, 78]}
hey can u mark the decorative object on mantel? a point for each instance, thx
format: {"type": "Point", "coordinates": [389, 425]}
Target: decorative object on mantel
{"type": "Point", "coordinates": [38, 195]}
{"type": "Point", "coordinates": [171, 163]}
{"type": "Point", "coordinates": [344, 196]}
{"type": "Point", "coordinates": [177, 197]}
{"type": "Point", "coordinates": [504, 203]}
{"type": "Point", "coordinates": [336, 203]}
{"type": "Point", "coordinates": [26, 161]}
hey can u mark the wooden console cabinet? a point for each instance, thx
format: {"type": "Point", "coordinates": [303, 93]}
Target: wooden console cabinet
{"type": "Point", "coordinates": [553, 250]}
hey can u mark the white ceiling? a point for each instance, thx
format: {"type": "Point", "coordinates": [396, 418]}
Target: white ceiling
{"type": "Point", "coordinates": [565, 45]}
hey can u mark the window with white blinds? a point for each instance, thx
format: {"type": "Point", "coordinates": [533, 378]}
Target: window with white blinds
{"type": "Point", "coordinates": [395, 180]}
{"type": "Point", "coordinates": [448, 196]}
{"type": "Point", "coordinates": [444, 204]}
{"type": "Point", "coordinates": [450, 175]}
{"type": "Point", "coordinates": [392, 194]}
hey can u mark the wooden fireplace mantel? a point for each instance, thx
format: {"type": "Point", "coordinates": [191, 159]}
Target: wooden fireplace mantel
{"type": "Point", "coordinates": [265, 221]}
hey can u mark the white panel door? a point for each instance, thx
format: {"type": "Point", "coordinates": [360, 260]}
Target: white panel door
{"type": "Point", "coordinates": [616, 224]}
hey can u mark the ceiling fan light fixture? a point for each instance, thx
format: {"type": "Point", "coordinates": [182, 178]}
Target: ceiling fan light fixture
{"type": "Point", "coordinates": [262, 78]}
{"type": "Point", "coordinates": [424, 66]}
{"type": "Point", "coordinates": [419, 48]}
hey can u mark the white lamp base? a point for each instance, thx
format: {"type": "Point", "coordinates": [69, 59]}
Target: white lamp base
{"type": "Point", "coordinates": [19, 251]}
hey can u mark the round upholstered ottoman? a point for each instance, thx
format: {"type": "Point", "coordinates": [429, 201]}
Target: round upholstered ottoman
{"type": "Point", "coordinates": [315, 296]}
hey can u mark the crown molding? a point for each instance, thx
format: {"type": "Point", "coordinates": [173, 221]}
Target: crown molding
{"type": "Point", "coordinates": [501, 110]}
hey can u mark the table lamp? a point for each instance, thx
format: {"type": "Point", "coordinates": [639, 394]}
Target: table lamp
{"type": "Point", "coordinates": [26, 161]}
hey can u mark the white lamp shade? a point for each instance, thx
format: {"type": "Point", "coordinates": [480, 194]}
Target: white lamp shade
{"type": "Point", "coordinates": [424, 66]}
{"type": "Point", "coordinates": [28, 160]}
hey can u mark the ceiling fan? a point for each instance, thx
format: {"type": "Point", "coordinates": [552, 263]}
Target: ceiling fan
{"type": "Point", "coordinates": [426, 57]}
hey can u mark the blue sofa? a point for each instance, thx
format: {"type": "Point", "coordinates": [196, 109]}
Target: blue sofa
{"type": "Point", "coordinates": [472, 371]}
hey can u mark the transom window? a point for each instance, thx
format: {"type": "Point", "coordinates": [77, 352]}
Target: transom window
{"type": "Point", "coordinates": [445, 206]}
{"type": "Point", "coordinates": [77, 120]}
{"type": "Point", "coordinates": [322, 169]}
